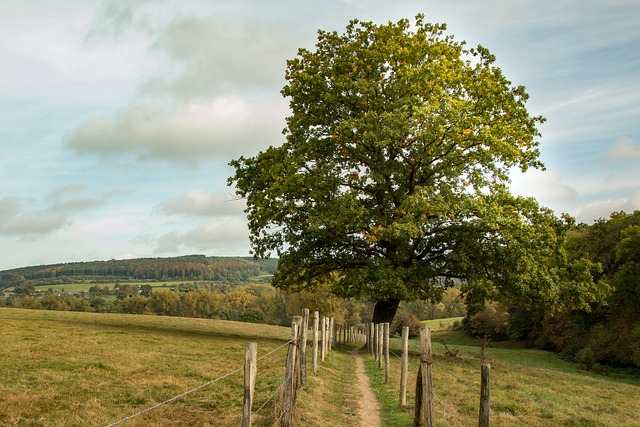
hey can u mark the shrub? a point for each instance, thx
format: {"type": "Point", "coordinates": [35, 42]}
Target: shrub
{"type": "Point", "coordinates": [405, 319]}
{"type": "Point", "coordinates": [493, 322]}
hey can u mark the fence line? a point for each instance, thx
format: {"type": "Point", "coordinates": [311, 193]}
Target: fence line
{"type": "Point", "coordinates": [175, 398]}
{"type": "Point", "coordinates": [200, 387]}
{"type": "Point", "coordinates": [257, 411]}
{"type": "Point", "coordinates": [376, 349]}
{"type": "Point", "coordinates": [294, 377]}
{"type": "Point", "coordinates": [448, 415]}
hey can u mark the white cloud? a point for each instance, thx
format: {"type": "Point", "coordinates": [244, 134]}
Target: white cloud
{"type": "Point", "coordinates": [221, 54]}
{"type": "Point", "coordinates": [71, 198]}
{"type": "Point", "coordinates": [220, 236]}
{"type": "Point", "coordinates": [15, 222]}
{"type": "Point", "coordinates": [547, 187]}
{"type": "Point", "coordinates": [624, 150]}
{"type": "Point", "coordinates": [603, 208]}
{"type": "Point", "coordinates": [223, 127]}
{"type": "Point", "coordinates": [198, 202]}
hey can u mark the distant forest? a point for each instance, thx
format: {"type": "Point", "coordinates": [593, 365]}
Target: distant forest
{"type": "Point", "coordinates": [190, 267]}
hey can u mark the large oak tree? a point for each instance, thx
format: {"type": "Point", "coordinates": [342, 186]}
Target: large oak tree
{"type": "Point", "coordinates": [393, 177]}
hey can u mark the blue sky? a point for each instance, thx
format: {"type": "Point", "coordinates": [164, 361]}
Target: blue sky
{"type": "Point", "coordinates": [118, 118]}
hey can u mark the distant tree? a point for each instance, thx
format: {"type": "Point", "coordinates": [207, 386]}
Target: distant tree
{"type": "Point", "coordinates": [146, 290]}
{"type": "Point", "coordinates": [164, 302]}
{"type": "Point", "coordinates": [394, 173]}
{"type": "Point", "coordinates": [133, 304]}
{"type": "Point", "coordinates": [26, 302]}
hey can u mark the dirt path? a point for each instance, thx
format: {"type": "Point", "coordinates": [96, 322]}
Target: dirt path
{"type": "Point", "coordinates": [369, 409]}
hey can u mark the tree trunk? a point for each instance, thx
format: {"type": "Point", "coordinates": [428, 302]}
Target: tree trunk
{"type": "Point", "coordinates": [385, 310]}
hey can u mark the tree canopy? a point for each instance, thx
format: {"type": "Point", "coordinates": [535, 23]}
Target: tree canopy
{"type": "Point", "coordinates": [393, 176]}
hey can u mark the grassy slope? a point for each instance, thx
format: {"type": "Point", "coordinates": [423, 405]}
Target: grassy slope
{"type": "Point", "coordinates": [87, 369]}
{"type": "Point", "coordinates": [528, 387]}
{"type": "Point", "coordinates": [90, 369]}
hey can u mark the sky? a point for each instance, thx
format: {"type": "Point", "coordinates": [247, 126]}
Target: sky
{"type": "Point", "coordinates": [118, 118]}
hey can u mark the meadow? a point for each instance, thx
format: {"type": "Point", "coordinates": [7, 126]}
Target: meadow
{"type": "Point", "coordinates": [529, 387]}
{"type": "Point", "coordinates": [89, 369]}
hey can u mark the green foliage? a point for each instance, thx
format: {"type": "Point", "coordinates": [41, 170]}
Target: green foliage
{"type": "Point", "coordinates": [191, 267]}
{"type": "Point", "coordinates": [491, 322]}
{"type": "Point", "coordinates": [602, 336]}
{"type": "Point", "coordinates": [402, 320]}
{"type": "Point", "coordinates": [394, 173]}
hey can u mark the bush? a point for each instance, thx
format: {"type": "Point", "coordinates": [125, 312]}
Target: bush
{"type": "Point", "coordinates": [252, 315]}
{"type": "Point", "coordinates": [493, 322]}
{"type": "Point", "coordinates": [405, 319]}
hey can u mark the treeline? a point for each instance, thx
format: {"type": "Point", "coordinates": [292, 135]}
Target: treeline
{"type": "Point", "coordinates": [255, 303]}
{"type": "Point", "coordinates": [608, 334]}
{"type": "Point", "coordinates": [192, 267]}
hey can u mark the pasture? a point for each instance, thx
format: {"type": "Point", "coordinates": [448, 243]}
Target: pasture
{"type": "Point", "coordinates": [528, 387]}
{"type": "Point", "coordinates": [88, 369]}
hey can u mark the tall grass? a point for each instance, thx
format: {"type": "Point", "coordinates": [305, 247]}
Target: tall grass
{"type": "Point", "coordinates": [85, 369]}
{"type": "Point", "coordinates": [528, 387]}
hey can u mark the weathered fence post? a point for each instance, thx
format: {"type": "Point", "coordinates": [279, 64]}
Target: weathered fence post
{"type": "Point", "coordinates": [380, 344]}
{"type": "Point", "coordinates": [485, 404]}
{"type": "Point", "coordinates": [376, 341]}
{"type": "Point", "coordinates": [424, 382]}
{"type": "Point", "coordinates": [405, 365]}
{"type": "Point", "coordinates": [298, 358]}
{"type": "Point", "coordinates": [332, 334]}
{"type": "Point", "coordinates": [250, 368]}
{"type": "Point", "coordinates": [291, 377]}
{"type": "Point", "coordinates": [323, 333]}
{"type": "Point", "coordinates": [372, 331]}
{"type": "Point", "coordinates": [316, 320]}
{"type": "Point", "coordinates": [303, 347]}
{"type": "Point", "coordinates": [387, 362]}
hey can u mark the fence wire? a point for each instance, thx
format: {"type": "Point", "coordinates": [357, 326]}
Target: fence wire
{"type": "Point", "coordinates": [175, 398]}
{"type": "Point", "coordinates": [235, 371]}
{"type": "Point", "coordinates": [413, 345]}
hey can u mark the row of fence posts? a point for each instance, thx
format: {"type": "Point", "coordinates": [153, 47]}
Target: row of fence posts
{"type": "Point", "coordinates": [323, 340]}
{"type": "Point", "coordinates": [378, 346]}
{"type": "Point", "coordinates": [376, 337]}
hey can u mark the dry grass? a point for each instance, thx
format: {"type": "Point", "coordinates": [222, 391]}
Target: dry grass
{"type": "Point", "coordinates": [528, 387]}
{"type": "Point", "coordinates": [331, 396]}
{"type": "Point", "coordinates": [86, 369]}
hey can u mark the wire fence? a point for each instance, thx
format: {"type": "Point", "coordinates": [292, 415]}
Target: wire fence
{"type": "Point", "coordinates": [200, 387]}
{"type": "Point", "coordinates": [447, 409]}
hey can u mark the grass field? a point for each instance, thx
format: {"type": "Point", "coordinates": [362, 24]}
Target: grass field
{"type": "Point", "coordinates": [443, 324]}
{"type": "Point", "coordinates": [528, 387]}
{"type": "Point", "coordinates": [88, 369]}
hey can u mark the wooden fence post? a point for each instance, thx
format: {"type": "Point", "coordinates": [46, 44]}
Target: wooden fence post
{"type": "Point", "coordinates": [424, 382]}
{"type": "Point", "coordinates": [250, 368]}
{"type": "Point", "coordinates": [380, 344]}
{"type": "Point", "coordinates": [372, 331]}
{"type": "Point", "coordinates": [291, 378]}
{"type": "Point", "coordinates": [323, 334]}
{"type": "Point", "coordinates": [485, 404]}
{"type": "Point", "coordinates": [332, 334]}
{"type": "Point", "coordinates": [298, 358]}
{"type": "Point", "coordinates": [405, 366]}
{"type": "Point", "coordinates": [387, 362]}
{"type": "Point", "coordinates": [303, 347]}
{"type": "Point", "coordinates": [376, 341]}
{"type": "Point", "coordinates": [316, 321]}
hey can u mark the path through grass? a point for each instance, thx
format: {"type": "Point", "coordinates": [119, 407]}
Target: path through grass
{"type": "Point", "coordinates": [528, 387]}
